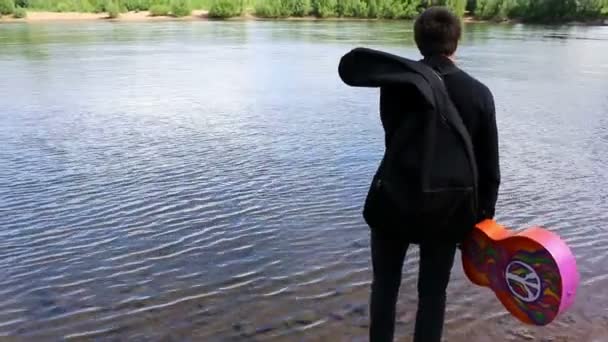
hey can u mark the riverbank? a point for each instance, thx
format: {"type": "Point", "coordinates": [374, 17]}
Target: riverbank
{"type": "Point", "coordinates": [143, 16]}
{"type": "Point", "coordinates": [127, 17]}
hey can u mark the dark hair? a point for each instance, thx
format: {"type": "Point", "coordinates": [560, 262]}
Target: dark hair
{"type": "Point", "coordinates": [437, 32]}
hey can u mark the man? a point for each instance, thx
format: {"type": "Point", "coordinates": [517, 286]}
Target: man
{"type": "Point", "coordinates": [437, 33]}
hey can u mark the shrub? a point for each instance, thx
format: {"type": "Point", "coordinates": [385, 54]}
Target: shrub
{"type": "Point", "coordinates": [96, 6]}
{"type": "Point", "coordinates": [63, 7]}
{"type": "Point", "coordinates": [20, 13]}
{"type": "Point", "coordinates": [591, 8]}
{"type": "Point", "coordinates": [225, 9]}
{"type": "Point", "coordinates": [160, 10]}
{"type": "Point", "coordinates": [272, 8]}
{"type": "Point", "coordinates": [113, 10]}
{"type": "Point", "coordinates": [352, 8]}
{"type": "Point", "coordinates": [7, 7]}
{"type": "Point", "coordinates": [300, 8]}
{"type": "Point", "coordinates": [458, 6]}
{"type": "Point", "coordinates": [73, 6]}
{"type": "Point", "coordinates": [181, 8]}
{"type": "Point", "coordinates": [390, 10]}
{"type": "Point", "coordinates": [135, 5]}
{"type": "Point", "coordinates": [99, 6]}
{"type": "Point", "coordinates": [487, 9]}
{"type": "Point", "coordinates": [84, 6]}
{"type": "Point", "coordinates": [396, 9]}
{"type": "Point", "coordinates": [324, 8]}
{"type": "Point", "coordinates": [373, 10]}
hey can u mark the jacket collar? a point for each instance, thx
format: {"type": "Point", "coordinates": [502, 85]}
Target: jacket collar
{"type": "Point", "coordinates": [442, 64]}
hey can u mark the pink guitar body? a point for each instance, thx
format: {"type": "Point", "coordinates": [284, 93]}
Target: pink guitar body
{"type": "Point", "coordinates": [533, 273]}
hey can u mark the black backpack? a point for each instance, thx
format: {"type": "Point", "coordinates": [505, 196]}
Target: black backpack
{"type": "Point", "coordinates": [426, 184]}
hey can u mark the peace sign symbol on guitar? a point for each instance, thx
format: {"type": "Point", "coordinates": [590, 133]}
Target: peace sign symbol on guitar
{"type": "Point", "coordinates": [523, 281]}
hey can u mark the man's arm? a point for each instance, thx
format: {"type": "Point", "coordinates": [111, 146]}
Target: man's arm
{"type": "Point", "coordinates": [486, 151]}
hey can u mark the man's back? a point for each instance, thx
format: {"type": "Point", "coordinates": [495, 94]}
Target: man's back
{"type": "Point", "coordinates": [475, 105]}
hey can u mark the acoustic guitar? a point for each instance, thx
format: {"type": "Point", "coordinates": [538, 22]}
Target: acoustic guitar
{"type": "Point", "coordinates": [533, 273]}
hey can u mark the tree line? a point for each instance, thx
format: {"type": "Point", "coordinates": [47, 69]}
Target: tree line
{"type": "Point", "coordinates": [539, 10]}
{"type": "Point", "coordinates": [525, 10]}
{"type": "Point", "coordinates": [176, 8]}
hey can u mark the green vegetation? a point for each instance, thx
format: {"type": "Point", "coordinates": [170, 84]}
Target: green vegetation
{"type": "Point", "coordinates": [300, 8]}
{"type": "Point", "coordinates": [19, 13]}
{"type": "Point", "coordinates": [99, 6]}
{"type": "Point", "coordinates": [225, 8]}
{"type": "Point", "coordinates": [374, 9]}
{"type": "Point", "coordinates": [324, 8]}
{"type": "Point", "coordinates": [67, 5]}
{"type": "Point", "coordinates": [273, 8]}
{"type": "Point", "coordinates": [540, 10]}
{"type": "Point", "coordinates": [135, 5]}
{"type": "Point", "coordinates": [181, 8]}
{"type": "Point", "coordinates": [7, 7]}
{"type": "Point", "coordinates": [113, 9]}
{"type": "Point", "coordinates": [458, 6]}
{"type": "Point", "coordinates": [160, 10]}
{"type": "Point", "coordinates": [525, 10]}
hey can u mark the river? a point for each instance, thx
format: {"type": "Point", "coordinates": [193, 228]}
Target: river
{"type": "Point", "coordinates": [204, 181]}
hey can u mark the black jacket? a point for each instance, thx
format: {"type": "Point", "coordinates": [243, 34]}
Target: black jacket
{"type": "Point", "coordinates": [471, 98]}
{"type": "Point", "coordinates": [475, 104]}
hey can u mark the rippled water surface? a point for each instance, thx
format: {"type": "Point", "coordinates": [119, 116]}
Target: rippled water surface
{"type": "Point", "coordinates": [204, 180]}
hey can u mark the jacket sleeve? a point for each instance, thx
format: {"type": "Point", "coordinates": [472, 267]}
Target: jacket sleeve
{"type": "Point", "coordinates": [487, 155]}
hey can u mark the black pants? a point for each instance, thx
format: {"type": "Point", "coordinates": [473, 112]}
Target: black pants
{"type": "Point", "coordinates": [436, 262]}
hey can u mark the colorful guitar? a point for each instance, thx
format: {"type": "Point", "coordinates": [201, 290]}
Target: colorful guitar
{"type": "Point", "coordinates": [533, 273]}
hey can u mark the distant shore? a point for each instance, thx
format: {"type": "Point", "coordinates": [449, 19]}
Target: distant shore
{"type": "Point", "coordinates": [33, 16]}
{"type": "Point", "coordinates": [144, 16]}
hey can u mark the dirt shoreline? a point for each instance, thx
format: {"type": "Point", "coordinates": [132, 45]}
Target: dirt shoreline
{"type": "Point", "coordinates": [143, 16]}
